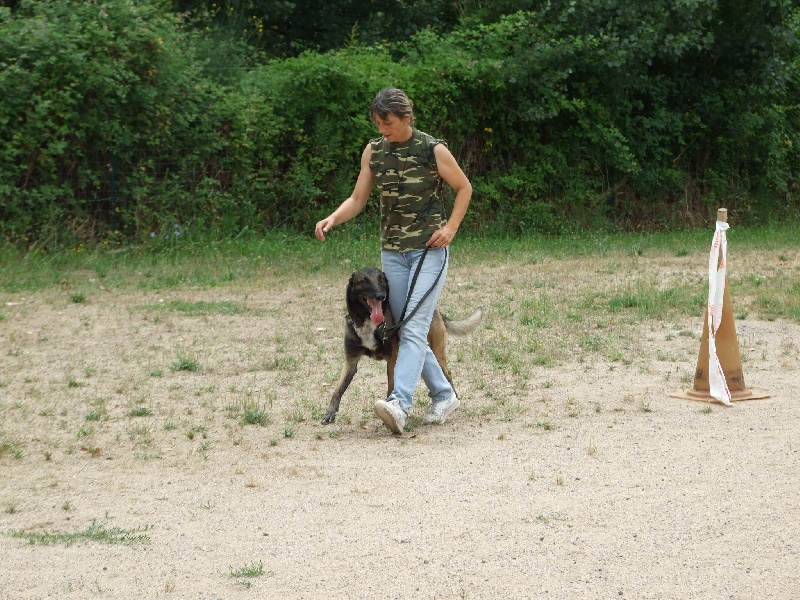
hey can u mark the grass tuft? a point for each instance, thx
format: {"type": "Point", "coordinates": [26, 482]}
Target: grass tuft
{"type": "Point", "coordinates": [95, 532]}
{"type": "Point", "coordinates": [185, 363]}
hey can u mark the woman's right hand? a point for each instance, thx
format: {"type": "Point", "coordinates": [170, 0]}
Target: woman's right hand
{"type": "Point", "coordinates": [324, 227]}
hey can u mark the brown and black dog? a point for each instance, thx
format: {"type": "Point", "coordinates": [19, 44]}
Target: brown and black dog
{"type": "Point", "coordinates": [367, 309]}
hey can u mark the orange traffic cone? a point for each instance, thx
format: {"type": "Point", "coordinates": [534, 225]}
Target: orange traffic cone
{"type": "Point", "coordinates": [727, 347]}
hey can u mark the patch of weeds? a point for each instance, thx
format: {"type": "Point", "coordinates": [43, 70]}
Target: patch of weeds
{"type": "Point", "coordinates": [157, 373]}
{"type": "Point", "coordinates": [255, 415]}
{"type": "Point", "coordinates": [141, 411]}
{"type": "Point", "coordinates": [185, 363]}
{"type": "Point", "coordinates": [92, 451]}
{"type": "Point", "coordinates": [535, 321]}
{"type": "Point", "coordinates": [288, 432]}
{"type": "Point", "coordinates": [644, 406]}
{"type": "Point", "coordinates": [617, 356]}
{"type": "Point", "coordinates": [537, 312]}
{"type": "Point", "coordinates": [647, 299]}
{"type": "Point", "coordinates": [243, 574]}
{"type": "Point", "coordinates": [169, 426]}
{"type": "Point", "coordinates": [317, 411]}
{"type": "Point", "coordinates": [142, 434]}
{"type": "Point", "coordinates": [95, 532]}
{"type": "Point", "coordinates": [501, 358]}
{"type": "Point", "coordinates": [485, 411]}
{"type": "Point", "coordinates": [74, 383]}
{"type": "Point", "coordinates": [282, 363]}
{"type": "Point", "coordinates": [77, 298]}
{"type": "Point", "coordinates": [206, 389]}
{"type": "Point", "coordinates": [296, 415]}
{"type": "Point", "coordinates": [412, 423]}
{"type": "Point", "coordinates": [249, 412]}
{"type": "Point", "coordinates": [573, 410]}
{"type": "Point", "coordinates": [273, 441]}
{"type": "Point", "coordinates": [10, 507]}
{"type": "Point", "coordinates": [95, 415]}
{"type": "Point", "coordinates": [591, 343]}
{"type": "Point", "coordinates": [706, 409]}
{"type": "Point", "coordinates": [200, 308]}
{"type": "Point", "coordinates": [201, 429]}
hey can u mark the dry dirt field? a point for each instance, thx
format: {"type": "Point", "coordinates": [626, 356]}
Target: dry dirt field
{"type": "Point", "coordinates": [166, 444]}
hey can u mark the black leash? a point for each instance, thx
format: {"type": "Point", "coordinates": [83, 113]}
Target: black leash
{"type": "Point", "coordinates": [387, 332]}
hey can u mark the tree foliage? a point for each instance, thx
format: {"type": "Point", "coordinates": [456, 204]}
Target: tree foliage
{"type": "Point", "coordinates": [288, 28]}
{"type": "Point", "coordinates": [122, 118]}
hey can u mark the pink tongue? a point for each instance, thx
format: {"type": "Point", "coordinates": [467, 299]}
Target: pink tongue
{"type": "Point", "coordinates": [377, 312]}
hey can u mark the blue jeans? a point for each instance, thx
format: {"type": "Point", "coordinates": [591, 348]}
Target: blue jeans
{"type": "Point", "coordinates": [414, 357]}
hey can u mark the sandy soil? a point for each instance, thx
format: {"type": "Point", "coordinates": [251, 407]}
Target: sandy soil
{"type": "Point", "coordinates": [573, 476]}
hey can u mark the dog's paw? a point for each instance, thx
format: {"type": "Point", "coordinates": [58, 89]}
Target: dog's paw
{"type": "Point", "coordinates": [329, 418]}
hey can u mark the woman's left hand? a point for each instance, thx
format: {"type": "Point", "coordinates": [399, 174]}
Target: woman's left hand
{"type": "Point", "coordinates": [442, 237]}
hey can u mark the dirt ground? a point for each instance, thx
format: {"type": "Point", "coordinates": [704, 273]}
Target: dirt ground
{"type": "Point", "coordinates": [566, 475]}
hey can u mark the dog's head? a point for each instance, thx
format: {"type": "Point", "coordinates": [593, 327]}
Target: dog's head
{"type": "Point", "coordinates": [368, 294]}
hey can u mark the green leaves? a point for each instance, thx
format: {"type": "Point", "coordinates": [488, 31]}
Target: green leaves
{"type": "Point", "coordinates": [120, 119]}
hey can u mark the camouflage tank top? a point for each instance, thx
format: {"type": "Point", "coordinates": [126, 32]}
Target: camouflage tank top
{"type": "Point", "coordinates": [410, 190]}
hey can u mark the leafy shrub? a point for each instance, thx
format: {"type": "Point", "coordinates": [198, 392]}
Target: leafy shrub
{"type": "Point", "coordinates": [101, 103]}
{"type": "Point", "coordinates": [123, 121]}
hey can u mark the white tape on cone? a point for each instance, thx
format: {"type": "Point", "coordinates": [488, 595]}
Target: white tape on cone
{"type": "Point", "coordinates": [717, 270]}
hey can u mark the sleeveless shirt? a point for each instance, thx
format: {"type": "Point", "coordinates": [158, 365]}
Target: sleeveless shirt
{"type": "Point", "coordinates": [410, 190]}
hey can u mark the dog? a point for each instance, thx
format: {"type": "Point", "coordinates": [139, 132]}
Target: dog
{"type": "Point", "coordinates": [368, 313]}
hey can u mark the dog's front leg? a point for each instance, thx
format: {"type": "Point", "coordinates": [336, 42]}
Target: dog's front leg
{"type": "Point", "coordinates": [348, 372]}
{"type": "Point", "coordinates": [390, 363]}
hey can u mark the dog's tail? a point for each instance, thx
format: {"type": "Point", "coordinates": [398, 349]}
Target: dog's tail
{"type": "Point", "coordinates": [464, 326]}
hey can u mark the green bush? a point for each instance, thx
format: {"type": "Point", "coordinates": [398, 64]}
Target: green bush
{"type": "Point", "coordinates": [124, 121]}
{"type": "Point", "coordinates": [102, 103]}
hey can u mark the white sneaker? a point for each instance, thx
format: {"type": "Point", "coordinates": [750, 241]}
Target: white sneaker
{"type": "Point", "coordinates": [392, 414]}
{"type": "Point", "coordinates": [438, 411]}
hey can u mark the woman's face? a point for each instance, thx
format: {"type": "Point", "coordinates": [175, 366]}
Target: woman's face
{"type": "Point", "coordinates": [393, 128]}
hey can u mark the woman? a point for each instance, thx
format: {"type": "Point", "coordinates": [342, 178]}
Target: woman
{"type": "Point", "coordinates": [409, 167]}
